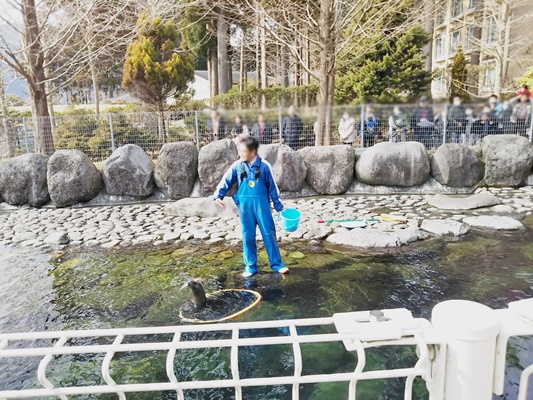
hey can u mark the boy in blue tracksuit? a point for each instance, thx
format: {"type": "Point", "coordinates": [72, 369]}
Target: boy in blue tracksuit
{"type": "Point", "coordinates": [256, 186]}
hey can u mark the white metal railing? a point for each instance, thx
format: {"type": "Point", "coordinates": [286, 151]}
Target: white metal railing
{"type": "Point", "coordinates": [462, 334]}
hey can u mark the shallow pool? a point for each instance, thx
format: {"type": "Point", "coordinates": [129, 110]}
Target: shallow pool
{"type": "Point", "coordinates": [143, 287]}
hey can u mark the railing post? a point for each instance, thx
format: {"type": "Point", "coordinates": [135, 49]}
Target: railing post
{"type": "Point", "coordinates": [25, 126]}
{"type": "Point", "coordinates": [444, 131]}
{"type": "Point", "coordinates": [112, 132]}
{"type": "Point", "coordinates": [470, 330]}
{"type": "Point", "coordinates": [363, 111]}
{"type": "Point", "coordinates": [197, 129]}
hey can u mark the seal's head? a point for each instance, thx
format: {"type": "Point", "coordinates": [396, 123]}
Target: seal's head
{"type": "Point", "coordinates": [198, 294]}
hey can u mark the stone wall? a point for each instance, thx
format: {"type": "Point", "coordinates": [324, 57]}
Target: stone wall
{"type": "Point", "coordinates": [69, 178]}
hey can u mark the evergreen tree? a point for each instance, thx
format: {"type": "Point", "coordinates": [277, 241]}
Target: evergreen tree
{"type": "Point", "coordinates": [459, 75]}
{"type": "Point", "coordinates": [526, 79]}
{"type": "Point", "coordinates": [395, 70]}
{"type": "Point", "coordinates": [155, 69]}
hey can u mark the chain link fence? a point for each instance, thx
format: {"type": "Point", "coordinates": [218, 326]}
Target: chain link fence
{"type": "Point", "coordinates": [360, 126]}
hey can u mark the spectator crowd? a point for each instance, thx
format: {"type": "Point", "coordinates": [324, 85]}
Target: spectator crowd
{"type": "Point", "coordinates": [455, 123]}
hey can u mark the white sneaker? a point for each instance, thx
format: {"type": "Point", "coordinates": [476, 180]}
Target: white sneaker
{"type": "Point", "coordinates": [283, 270]}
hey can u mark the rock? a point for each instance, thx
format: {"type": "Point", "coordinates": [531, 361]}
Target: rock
{"type": "Point", "coordinates": [288, 167]}
{"type": "Point", "coordinates": [23, 180]}
{"type": "Point", "coordinates": [329, 168]}
{"type": "Point", "coordinates": [474, 201]}
{"type": "Point", "coordinates": [393, 164]}
{"type": "Point", "coordinates": [213, 162]}
{"type": "Point", "coordinates": [508, 160]}
{"type": "Point", "coordinates": [367, 239]}
{"type": "Point", "coordinates": [57, 255]}
{"type": "Point", "coordinates": [58, 238]}
{"type": "Point", "coordinates": [225, 254]}
{"type": "Point", "coordinates": [177, 169]}
{"type": "Point", "coordinates": [202, 207]}
{"type": "Point", "coordinates": [128, 172]}
{"type": "Point", "coordinates": [297, 255]}
{"type": "Point", "coordinates": [456, 165]}
{"type": "Point", "coordinates": [23, 237]}
{"type": "Point", "coordinates": [72, 178]}
{"type": "Point", "coordinates": [111, 244]}
{"type": "Point", "coordinates": [502, 208]}
{"type": "Point", "coordinates": [444, 227]}
{"type": "Point", "coordinates": [170, 236]}
{"type": "Point", "coordinates": [494, 222]}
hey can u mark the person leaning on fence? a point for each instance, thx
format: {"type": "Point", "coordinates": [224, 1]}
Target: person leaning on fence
{"type": "Point", "coordinates": [456, 120]}
{"type": "Point", "coordinates": [504, 119]}
{"type": "Point", "coordinates": [470, 133]}
{"type": "Point", "coordinates": [369, 130]}
{"type": "Point", "coordinates": [239, 130]}
{"type": "Point", "coordinates": [216, 126]}
{"type": "Point", "coordinates": [520, 118]}
{"type": "Point", "coordinates": [292, 129]}
{"type": "Point", "coordinates": [262, 130]}
{"type": "Point", "coordinates": [496, 107]}
{"type": "Point", "coordinates": [484, 126]}
{"type": "Point", "coordinates": [347, 128]}
{"type": "Point", "coordinates": [398, 125]}
{"type": "Point", "coordinates": [255, 188]}
{"type": "Point", "coordinates": [422, 121]}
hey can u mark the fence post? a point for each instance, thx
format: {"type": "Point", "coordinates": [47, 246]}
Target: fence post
{"type": "Point", "coordinates": [280, 121]}
{"type": "Point", "coordinates": [25, 126]}
{"type": "Point", "coordinates": [112, 132]}
{"type": "Point", "coordinates": [470, 330]}
{"type": "Point", "coordinates": [363, 111]}
{"type": "Point", "coordinates": [531, 126]}
{"type": "Point", "coordinates": [444, 131]}
{"type": "Point", "coordinates": [197, 129]}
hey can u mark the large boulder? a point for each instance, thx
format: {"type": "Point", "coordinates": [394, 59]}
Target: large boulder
{"type": "Point", "coordinates": [128, 172]}
{"type": "Point", "coordinates": [508, 160]}
{"type": "Point", "coordinates": [72, 178]}
{"type": "Point", "coordinates": [23, 180]}
{"type": "Point", "coordinates": [329, 168]}
{"type": "Point", "coordinates": [177, 169]}
{"type": "Point", "coordinates": [288, 167]}
{"type": "Point", "coordinates": [444, 227]}
{"type": "Point", "coordinates": [456, 165]}
{"type": "Point", "coordinates": [213, 162]}
{"type": "Point", "coordinates": [394, 164]}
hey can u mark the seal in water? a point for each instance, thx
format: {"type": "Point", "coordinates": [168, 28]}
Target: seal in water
{"type": "Point", "coordinates": [217, 306]}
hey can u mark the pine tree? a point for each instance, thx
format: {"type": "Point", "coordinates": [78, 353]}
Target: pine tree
{"type": "Point", "coordinates": [395, 70]}
{"type": "Point", "coordinates": [459, 73]}
{"type": "Point", "coordinates": [155, 69]}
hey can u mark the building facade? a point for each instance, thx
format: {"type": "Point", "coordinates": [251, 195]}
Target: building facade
{"type": "Point", "coordinates": [496, 37]}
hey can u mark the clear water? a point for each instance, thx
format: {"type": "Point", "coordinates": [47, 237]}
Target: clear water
{"type": "Point", "coordinates": [143, 287]}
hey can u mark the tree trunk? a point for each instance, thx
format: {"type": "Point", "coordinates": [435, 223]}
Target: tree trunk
{"type": "Point", "coordinates": [212, 65]}
{"type": "Point", "coordinates": [96, 85]}
{"type": "Point", "coordinates": [35, 59]}
{"type": "Point", "coordinates": [242, 72]}
{"type": "Point", "coordinates": [326, 82]}
{"type": "Point", "coordinates": [161, 128]}
{"type": "Point", "coordinates": [222, 47]}
{"type": "Point", "coordinates": [5, 121]}
{"type": "Point", "coordinates": [428, 49]}
{"type": "Point", "coordinates": [264, 76]}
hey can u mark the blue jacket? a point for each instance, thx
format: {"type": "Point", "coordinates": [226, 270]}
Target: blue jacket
{"type": "Point", "coordinates": [265, 187]}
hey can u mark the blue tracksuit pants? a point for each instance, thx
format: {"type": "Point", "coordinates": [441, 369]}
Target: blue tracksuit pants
{"type": "Point", "coordinates": [253, 200]}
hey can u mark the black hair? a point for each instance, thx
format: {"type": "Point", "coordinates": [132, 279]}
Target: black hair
{"type": "Point", "coordinates": [250, 142]}
{"type": "Point", "coordinates": [493, 95]}
{"type": "Point", "coordinates": [525, 86]}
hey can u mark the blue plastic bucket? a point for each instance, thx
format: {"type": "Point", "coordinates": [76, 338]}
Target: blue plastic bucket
{"type": "Point", "coordinates": [290, 219]}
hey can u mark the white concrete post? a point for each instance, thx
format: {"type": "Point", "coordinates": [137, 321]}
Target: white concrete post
{"type": "Point", "coordinates": [470, 330]}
